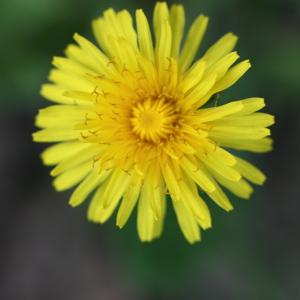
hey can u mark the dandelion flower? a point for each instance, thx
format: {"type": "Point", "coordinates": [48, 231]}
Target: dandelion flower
{"type": "Point", "coordinates": [130, 125]}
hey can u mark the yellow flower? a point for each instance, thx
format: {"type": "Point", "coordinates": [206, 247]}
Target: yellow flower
{"type": "Point", "coordinates": [130, 125]}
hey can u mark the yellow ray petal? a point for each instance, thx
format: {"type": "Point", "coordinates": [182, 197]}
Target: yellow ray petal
{"type": "Point", "coordinates": [249, 171]}
{"type": "Point", "coordinates": [219, 112]}
{"type": "Point", "coordinates": [61, 116]}
{"type": "Point", "coordinates": [158, 224]}
{"type": "Point", "coordinates": [87, 153]}
{"type": "Point", "coordinates": [153, 180]}
{"type": "Point", "coordinates": [126, 23]}
{"type": "Point", "coordinates": [232, 76]}
{"type": "Point", "coordinates": [195, 97]}
{"type": "Point", "coordinates": [220, 198]}
{"type": "Point", "coordinates": [171, 180]}
{"type": "Point", "coordinates": [71, 81]}
{"type": "Point", "coordinates": [101, 32]}
{"type": "Point", "coordinates": [116, 186]}
{"type": "Point", "coordinates": [126, 54]}
{"type": "Point", "coordinates": [55, 93]}
{"type": "Point", "coordinates": [145, 217]}
{"type": "Point", "coordinates": [57, 134]}
{"type": "Point", "coordinates": [221, 66]}
{"type": "Point", "coordinates": [144, 35]}
{"type": "Point", "coordinates": [83, 58]}
{"type": "Point", "coordinates": [73, 176]}
{"type": "Point", "coordinates": [187, 222]}
{"type": "Point", "coordinates": [212, 162]}
{"type": "Point", "coordinates": [129, 201]}
{"type": "Point", "coordinates": [193, 76]}
{"type": "Point", "coordinates": [87, 186]}
{"type": "Point", "coordinates": [71, 66]}
{"type": "Point", "coordinates": [56, 153]}
{"type": "Point", "coordinates": [177, 20]}
{"type": "Point", "coordinates": [160, 17]}
{"type": "Point", "coordinates": [163, 50]}
{"type": "Point", "coordinates": [259, 146]}
{"type": "Point", "coordinates": [99, 58]}
{"type": "Point", "coordinates": [251, 105]}
{"type": "Point", "coordinates": [195, 203]}
{"type": "Point", "coordinates": [238, 133]}
{"type": "Point", "coordinates": [252, 120]}
{"type": "Point", "coordinates": [219, 153]}
{"type": "Point", "coordinates": [241, 188]}
{"type": "Point", "coordinates": [192, 42]}
{"type": "Point", "coordinates": [219, 49]}
{"type": "Point", "coordinates": [108, 196]}
{"type": "Point", "coordinates": [196, 173]}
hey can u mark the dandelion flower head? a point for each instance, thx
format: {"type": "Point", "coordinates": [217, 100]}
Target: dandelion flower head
{"type": "Point", "coordinates": [132, 122]}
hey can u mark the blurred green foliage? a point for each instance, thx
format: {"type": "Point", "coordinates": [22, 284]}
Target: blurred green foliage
{"type": "Point", "coordinates": [33, 31]}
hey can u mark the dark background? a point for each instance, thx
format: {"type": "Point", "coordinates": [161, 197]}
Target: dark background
{"type": "Point", "coordinates": [50, 251]}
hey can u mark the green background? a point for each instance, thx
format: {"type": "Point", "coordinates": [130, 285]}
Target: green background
{"type": "Point", "coordinates": [49, 251]}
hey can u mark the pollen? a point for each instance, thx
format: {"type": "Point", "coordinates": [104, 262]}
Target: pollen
{"type": "Point", "coordinates": [154, 120]}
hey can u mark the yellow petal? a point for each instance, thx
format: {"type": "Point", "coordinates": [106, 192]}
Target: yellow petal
{"type": "Point", "coordinates": [241, 188]}
{"type": "Point", "coordinates": [221, 66]}
{"type": "Point", "coordinates": [249, 171]}
{"type": "Point", "coordinates": [86, 154]}
{"type": "Point", "coordinates": [116, 186]}
{"type": "Point", "coordinates": [61, 115]}
{"type": "Point", "coordinates": [71, 177]}
{"type": "Point", "coordinates": [171, 180]}
{"type": "Point", "coordinates": [195, 203]}
{"type": "Point", "coordinates": [163, 49]}
{"type": "Point", "coordinates": [219, 153]}
{"type": "Point", "coordinates": [193, 76]}
{"type": "Point", "coordinates": [192, 42]}
{"type": "Point", "coordinates": [251, 105]}
{"type": "Point", "coordinates": [238, 133]}
{"type": "Point", "coordinates": [127, 55]}
{"type": "Point", "coordinates": [71, 66]}
{"type": "Point", "coordinates": [160, 17]}
{"type": "Point", "coordinates": [223, 46]}
{"type": "Point", "coordinates": [144, 35]}
{"type": "Point", "coordinates": [219, 112]}
{"type": "Point", "coordinates": [187, 222]}
{"type": "Point", "coordinates": [252, 120]}
{"type": "Point", "coordinates": [83, 58]}
{"type": "Point", "coordinates": [56, 153]}
{"type": "Point", "coordinates": [158, 224]}
{"type": "Point", "coordinates": [195, 97]}
{"type": "Point", "coordinates": [212, 162]}
{"type": "Point", "coordinates": [71, 81]}
{"type": "Point", "coordinates": [232, 76]}
{"type": "Point", "coordinates": [259, 146]}
{"type": "Point", "coordinates": [56, 134]}
{"type": "Point", "coordinates": [99, 58]}
{"type": "Point", "coordinates": [87, 186]}
{"type": "Point", "coordinates": [108, 196]}
{"type": "Point", "coordinates": [55, 93]}
{"type": "Point", "coordinates": [153, 179]}
{"type": "Point", "coordinates": [126, 23]}
{"type": "Point", "coordinates": [220, 198]}
{"type": "Point", "coordinates": [209, 147]}
{"type": "Point", "coordinates": [177, 20]}
{"type": "Point", "coordinates": [197, 174]}
{"type": "Point", "coordinates": [101, 32]}
{"type": "Point", "coordinates": [129, 201]}
{"type": "Point", "coordinates": [145, 217]}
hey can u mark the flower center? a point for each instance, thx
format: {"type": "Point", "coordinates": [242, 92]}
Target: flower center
{"type": "Point", "coordinates": [154, 120]}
